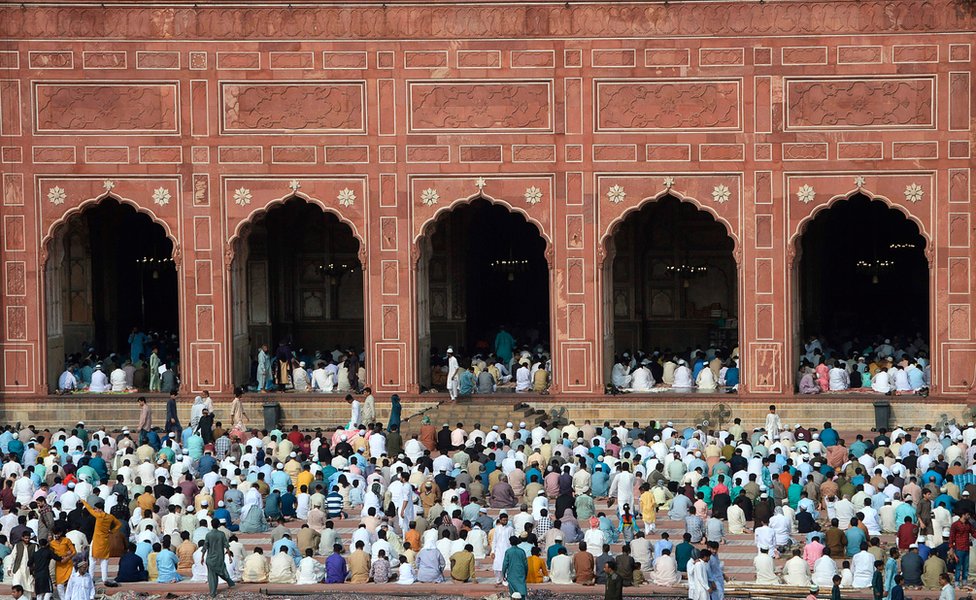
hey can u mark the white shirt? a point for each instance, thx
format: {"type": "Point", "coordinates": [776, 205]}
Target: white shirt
{"type": "Point", "coordinates": [643, 380]}
{"type": "Point", "coordinates": [682, 377]}
{"type": "Point", "coordinates": [839, 379]}
{"type": "Point", "coordinates": [322, 380]}
{"type": "Point", "coordinates": [523, 379]}
{"type": "Point", "coordinates": [99, 383]}
{"type": "Point", "coordinates": [118, 380]}
{"type": "Point", "coordinates": [862, 566]}
{"type": "Point", "coordinates": [880, 384]}
{"type": "Point", "coordinates": [67, 381]}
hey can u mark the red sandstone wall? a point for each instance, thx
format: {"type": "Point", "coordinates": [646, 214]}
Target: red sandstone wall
{"type": "Point", "coordinates": [762, 114]}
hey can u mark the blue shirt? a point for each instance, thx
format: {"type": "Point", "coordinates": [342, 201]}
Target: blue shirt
{"type": "Point", "coordinates": [855, 537]}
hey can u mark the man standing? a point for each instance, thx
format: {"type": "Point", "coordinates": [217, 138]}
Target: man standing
{"type": "Point", "coordinates": [515, 568]}
{"type": "Point", "coordinates": [264, 369]}
{"type": "Point", "coordinates": [137, 344]}
{"type": "Point", "coordinates": [615, 583]}
{"type": "Point", "coordinates": [960, 540]}
{"type": "Point", "coordinates": [773, 424]}
{"type": "Point", "coordinates": [499, 545]}
{"type": "Point", "coordinates": [453, 371]}
{"type": "Point", "coordinates": [355, 412]}
{"type": "Point", "coordinates": [154, 364]}
{"type": "Point", "coordinates": [504, 343]}
{"type": "Point", "coordinates": [172, 417]}
{"type": "Point", "coordinates": [145, 419]}
{"type": "Point", "coordinates": [215, 547]}
{"type": "Point", "coordinates": [698, 586]}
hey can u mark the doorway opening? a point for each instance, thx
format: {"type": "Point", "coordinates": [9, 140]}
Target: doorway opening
{"type": "Point", "coordinates": [112, 296]}
{"type": "Point", "coordinates": [297, 297]}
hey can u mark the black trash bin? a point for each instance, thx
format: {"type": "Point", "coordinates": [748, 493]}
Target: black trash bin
{"type": "Point", "coordinates": [882, 414]}
{"type": "Point", "coordinates": [272, 415]}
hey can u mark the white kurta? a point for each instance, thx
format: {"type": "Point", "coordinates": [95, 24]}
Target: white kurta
{"type": "Point", "coordinates": [499, 544]}
{"type": "Point", "coordinates": [698, 580]}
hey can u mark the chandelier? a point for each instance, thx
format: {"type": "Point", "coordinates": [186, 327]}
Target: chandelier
{"type": "Point", "coordinates": [687, 271]}
{"type": "Point", "coordinates": [509, 267]}
{"type": "Point", "coordinates": [874, 267]}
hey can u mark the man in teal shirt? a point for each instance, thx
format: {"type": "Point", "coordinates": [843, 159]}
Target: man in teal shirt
{"type": "Point", "coordinates": [504, 343]}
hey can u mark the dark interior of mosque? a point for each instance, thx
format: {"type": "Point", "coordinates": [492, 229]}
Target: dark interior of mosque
{"type": "Point", "coordinates": [673, 280]}
{"type": "Point", "coordinates": [110, 269]}
{"type": "Point", "coordinates": [486, 268]}
{"type": "Point", "coordinates": [862, 273]}
{"type": "Point", "coordinates": [302, 282]}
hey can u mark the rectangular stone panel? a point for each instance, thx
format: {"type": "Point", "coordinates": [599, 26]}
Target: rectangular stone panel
{"type": "Point", "coordinates": [205, 322]}
{"type": "Point", "coordinates": [203, 276]}
{"type": "Point", "coordinates": [959, 280]}
{"type": "Point", "coordinates": [533, 153]}
{"type": "Point", "coordinates": [919, 53]}
{"type": "Point", "coordinates": [578, 366]}
{"type": "Point", "coordinates": [531, 59]}
{"type": "Point", "coordinates": [959, 327]}
{"type": "Point", "coordinates": [481, 154]}
{"type": "Point", "coordinates": [860, 150]}
{"type": "Point", "coordinates": [392, 365]}
{"type": "Point", "coordinates": [18, 364]}
{"type": "Point", "coordinates": [13, 189]}
{"type": "Point", "coordinates": [668, 105]}
{"type": "Point", "coordinates": [10, 116]}
{"type": "Point", "coordinates": [206, 364]}
{"type": "Point", "coordinates": [619, 57]}
{"type": "Point", "coordinates": [667, 57]}
{"type": "Point", "coordinates": [960, 98]}
{"type": "Point", "coordinates": [721, 57]}
{"type": "Point", "coordinates": [107, 154]}
{"type": "Point", "coordinates": [17, 323]}
{"type": "Point", "coordinates": [668, 152]}
{"type": "Point", "coordinates": [959, 186]}
{"type": "Point", "coordinates": [428, 154]}
{"type": "Point", "coordinates": [614, 152]}
{"type": "Point", "coordinates": [913, 150]}
{"type": "Point", "coordinates": [53, 154]}
{"type": "Point", "coordinates": [103, 59]}
{"type": "Point", "coordinates": [296, 155]}
{"type": "Point", "coordinates": [489, 106]}
{"type": "Point", "coordinates": [347, 154]}
{"type": "Point", "coordinates": [292, 60]}
{"type": "Point", "coordinates": [479, 59]}
{"type": "Point", "coordinates": [51, 60]}
{"type": "Point", "coordinates": [158, 60]}
{"type": "Point", "coordinates": [805, 55]}
{"type": "Point", "coordinates": [296, 108]}
{"type": "Point", "coordinates": [98, 108]}
{"type": "Point", "coordinates": [764, 369]}
{"type": "Point", "coordinates": [859, 55]}
{"type": "Point", "coordinates": [889, 103]}
{"type": "Point", "coordinates": [344, 60]}
{"type": "Point", "coordinates": [720, 152]}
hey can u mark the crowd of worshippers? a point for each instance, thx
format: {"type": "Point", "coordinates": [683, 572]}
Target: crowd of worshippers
{"type": "Point", "coordinates": [891, 366]}
{"type": "Point", "coordinates": [288, 370]}
{"type": "Point", "coordinates": [695, 370]}
{"type": "Point", "coordinates": [525, 370]}
{"type": "Point", "coordinates": [544, 504]}
{"type": "Point", "coordinates": [152, 364]}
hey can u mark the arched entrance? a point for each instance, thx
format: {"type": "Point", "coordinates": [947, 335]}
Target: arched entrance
{"type": "Point", "coordinates": [296, 285]}
{"type": "Point", "coordinates": [670, 285]}
{"type": "Point", "coordinates": [862, 278]}
{"type": "Point", "coordinates": [482, 267]}
{"type": "Point", "coordinates": [110, 271]}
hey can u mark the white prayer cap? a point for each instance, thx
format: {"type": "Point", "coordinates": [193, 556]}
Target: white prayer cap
{"type": "Point", "coordinates": [280, 466]}
{"type": "Point", "coordinates": [293, 455]}
{"type": "Point", "coordinates": [220, 504]}
{"type": "Point", "coordinates": [450, 350]}
{"type": "Point", "coordinates": [494, 427]}
{"type": "Point", "coordinates": [301, 364]}
{"type": "Point", "coordinates": [509, 424]}
{"type": "Point", "coordinates": [204, 503]}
